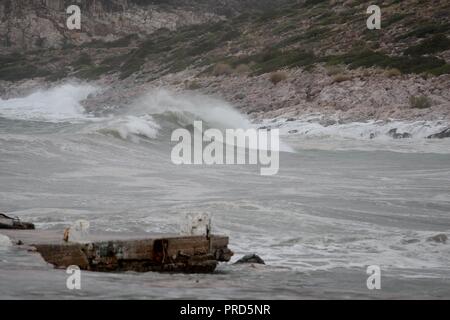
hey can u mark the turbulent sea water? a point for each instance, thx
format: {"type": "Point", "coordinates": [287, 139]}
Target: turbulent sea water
{"type": "Point", "coordinates": [340, 202]}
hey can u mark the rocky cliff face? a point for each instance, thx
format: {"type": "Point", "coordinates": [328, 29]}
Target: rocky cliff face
{"type": "Point", "coordinates": [329, 62]}
{"type": "Point", "coordinates": [26, 25]}
{"type": "Point", "coordinates": [37, 24]}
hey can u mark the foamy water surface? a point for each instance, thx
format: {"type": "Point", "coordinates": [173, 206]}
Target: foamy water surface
{"type": "Point", "coordinates": [343, 200]}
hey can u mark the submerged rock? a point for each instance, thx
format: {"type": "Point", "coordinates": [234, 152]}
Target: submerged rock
{"type": "Point", "coordinates": [441, 135]}
{"type": "Point", "coordinates": [14, 223]}
{"type": "Point", "coordinates": [251, 258]}
{"type": "Point", "coordinates": [394, 134]}
{"type": "Point", "coordinates": [439, 238]}
{"type": "Point", "coordinates": [410, 241]}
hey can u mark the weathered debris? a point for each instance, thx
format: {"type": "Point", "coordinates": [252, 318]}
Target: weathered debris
{"type": "Point", "coordinates": [14, 223]}
{"type": "Point", "coordinates": [127, 252]}
{"type": "Point", "coordinates": [251, 258]}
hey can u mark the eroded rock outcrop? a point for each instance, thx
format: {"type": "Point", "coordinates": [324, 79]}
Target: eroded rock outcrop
{"type": "Point", "coordinates": [26, 25]}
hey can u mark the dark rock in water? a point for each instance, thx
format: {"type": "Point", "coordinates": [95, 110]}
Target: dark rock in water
{"type": "Point", "coordinates": [290, 119]}
{"type": "Point", "coordinates": [327, 122]}
{"type": "Point", "coordinates": [251, 258]}
{"type": "Point", "coordinates": [14, 223]}
{"type": "Point", "coordinates": [410, 241]}
{"type": "Point", "coordinates": [440, 135]}
{"type": "Point", "coordinates": [407, 135]}
{"type": "Point", "coordinates": [394, 134]}
{"type": "Point", "coordinates": [293, 131]}
{"type": "Point", "coordinates": [372, 136]}
{"type": "Point", "coordinates": [439, 238]}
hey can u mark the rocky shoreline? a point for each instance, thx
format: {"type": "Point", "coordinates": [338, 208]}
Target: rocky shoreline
{"type": "Point", "coordinates": [365, 95]}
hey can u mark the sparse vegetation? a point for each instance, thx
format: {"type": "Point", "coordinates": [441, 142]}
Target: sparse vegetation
{"type": "Point", "coordinates": [192, 85]}
{"type": "Point", "coordinates": [341, 78]}
{"type": "Point", "coordinates": [420, 102]}
{"type": "Point", "coordinates": [83, 60]}
{"type": "Point", "coordinates": [435, 44]}
{"type": "Point", "coordinates": [424, 30]}
{"type": "Point", "coordinates": [406, 64]}
{"type": "Point", "coordinates": [242, 69]}
{"type": "Point", "coordinates": [119, 43]}
{"type": "Point", "coordinates": [443, 69]}
{"type": "Point", "coordinates": [15, 67]}
{"type": "Point", "coordinates": [239, 45]}
{"type": "Point", "coordinates": [222, 69]}
{"type": "Point", "coordinates": [333, 70]}
{"type": "Point", "coordinates": [272, 60]}
{"type": "Point", "coordinates": [393, 73]}
{"type": "Point", "coordinates": [276, 77]}
{"type": "Point", "coordinates": [92, 72]}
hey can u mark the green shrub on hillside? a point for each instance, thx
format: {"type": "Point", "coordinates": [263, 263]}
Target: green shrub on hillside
{"type": "Point", "coordinates": [14, 67]}
{"type": "Point", "coordinates": [221, 69]}
{"type": "Point", "coordinates": [406, 64]}
{"type": "Point", "coordinates": [424, 30]}
{"type": "Point", "coordinates": [276, 77]}
{"type": "Point", "coordinates": [421, 102]}
{"type": "Point", "coordinates": [437, 43]}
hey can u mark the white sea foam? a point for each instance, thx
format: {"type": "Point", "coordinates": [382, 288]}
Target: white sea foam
{"type": "Point", "coordinates": [4, 241]}
{"type": "Point", "coordinates": [129, 127]}
{"type": "Point", "coordinates": [58, 104]}
{"type": "Point", "coordinates": [309, 132]}
{"type": "Point", "coordinates": [311, 126]}
{"type": "Point", "coordinates": [187, 108]}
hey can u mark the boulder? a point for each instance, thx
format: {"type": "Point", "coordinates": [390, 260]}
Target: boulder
{"type": "Point", "coordinates": [251, 258]}
{"type": "Point", "coordinates": [14, 223]}
{"type": "Point", "coordinates": [410, 241]}
{"type": "Point", "coordinates": [396, 135]}
{"type": "Point", "coordinates": [439, 238]}
{"type": "Point", "coordinates": [441, 135]}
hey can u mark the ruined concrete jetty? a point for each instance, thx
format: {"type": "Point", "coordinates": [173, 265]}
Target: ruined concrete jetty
{"type": "Point", "coordinates": [115, 252]}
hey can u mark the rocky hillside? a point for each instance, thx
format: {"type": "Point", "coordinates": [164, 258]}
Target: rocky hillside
{"type": "Point", "coordinates": [267, 57]}
{"type": "Point", "coordinates": [38, 24]}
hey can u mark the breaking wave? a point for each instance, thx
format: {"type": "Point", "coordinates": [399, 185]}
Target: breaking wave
{"type": "Point", "coordinates": [183, 109]}
{"type": "Point", "coordinates": [131, 127]}
{"type": "Point", "coordinates": [159, 112]}
{"type": "Point", "coordinates": [57, 104]}
{"type": "Point", "coordinates": [4, 242]}
{"type": "Point", "coordinates": [145, 117]}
